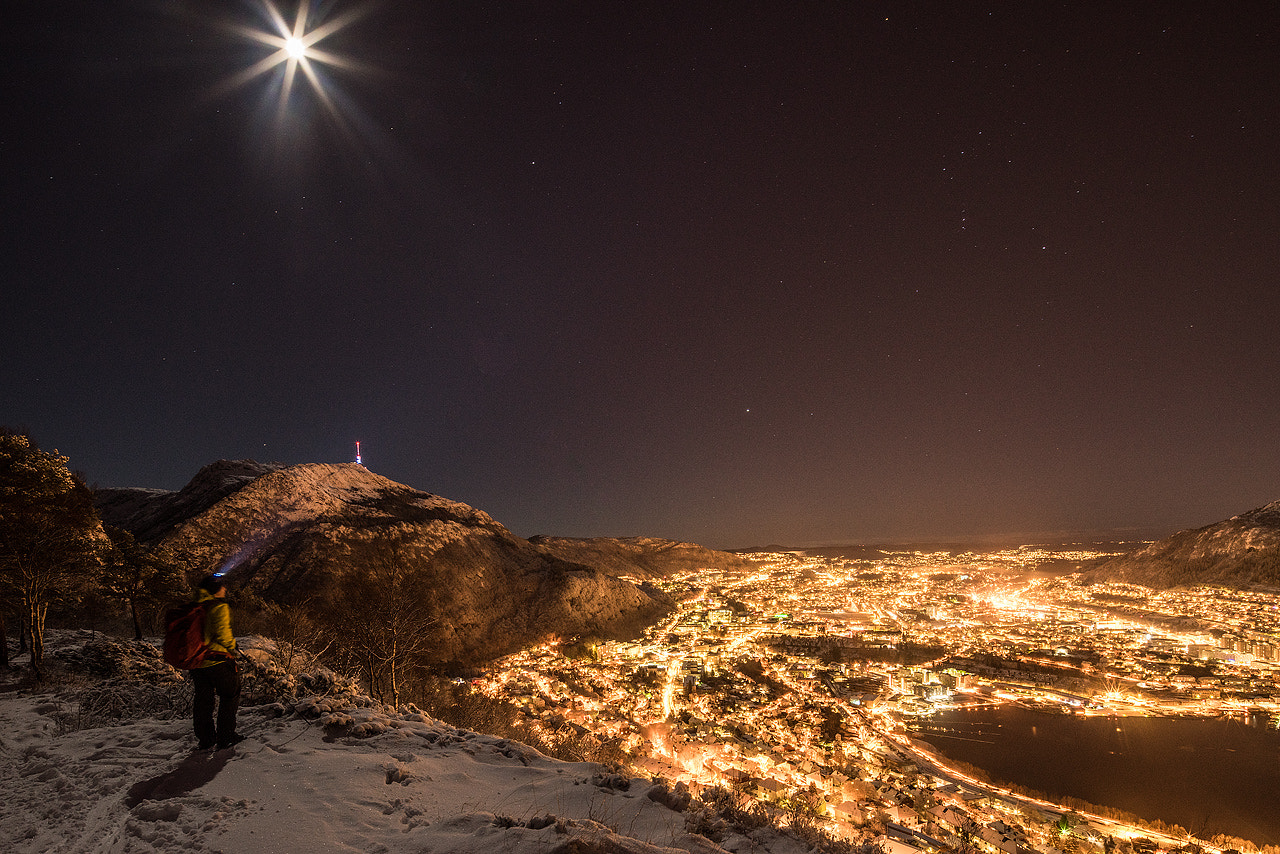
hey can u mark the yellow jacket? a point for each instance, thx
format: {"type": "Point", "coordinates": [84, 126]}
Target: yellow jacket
{"type": "Point", "coordinates": [217, 629]}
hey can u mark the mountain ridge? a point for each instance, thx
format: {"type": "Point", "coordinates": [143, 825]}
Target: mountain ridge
{"type": "Point", "coordinates": [148, 513]}
{"type": "Point", "coordinates": [1241, 552]}
{"type": "Point", "coordinates": [642, 557]}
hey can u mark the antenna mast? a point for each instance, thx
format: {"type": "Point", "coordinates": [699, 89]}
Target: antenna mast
{"type": "Point", "coordinates": [359, 462]}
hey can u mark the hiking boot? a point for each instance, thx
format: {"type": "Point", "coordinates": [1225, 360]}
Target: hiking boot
{"type": "Point", "coordinates": [230, 741]}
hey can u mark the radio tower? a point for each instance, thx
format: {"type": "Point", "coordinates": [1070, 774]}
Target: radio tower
{"type": "Point", "coordinates": [359, 462]}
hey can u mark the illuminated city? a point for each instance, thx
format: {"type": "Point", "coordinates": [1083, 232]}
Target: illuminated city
{"type": "Point", "coordinates": [613, 292]}
{"type": "Point", "coordinates": [808, 676]}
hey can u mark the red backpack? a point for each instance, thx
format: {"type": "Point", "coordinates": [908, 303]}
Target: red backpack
{"type": "Point", "coordinates": [184, 644]}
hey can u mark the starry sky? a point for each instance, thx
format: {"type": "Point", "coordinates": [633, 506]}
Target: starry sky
{"type": "Point", "coordinates": [729, 272]}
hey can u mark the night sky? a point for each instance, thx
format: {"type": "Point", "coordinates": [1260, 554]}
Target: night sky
{"type": "Point", "coordinates": [736, 272]}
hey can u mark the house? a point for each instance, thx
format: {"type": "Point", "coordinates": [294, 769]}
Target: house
{"type": "Point", "coordinates": [902, 815]}
{"type": "Point", "coordinates": [892, 845]}
{"type": "Point", "coordinates": [989, 839]}
{"type": "Point", "coordinates": [772, 786]}
{"type": "Point", "coordinates": [850, 811]}
{"type": "Point", "coordinates": [946, 814]}
{"type": "Point", "coordinates": [1008, 830]}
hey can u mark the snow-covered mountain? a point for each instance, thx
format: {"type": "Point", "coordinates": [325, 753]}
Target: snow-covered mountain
{"type": "Point", "coordinates": [149, 513]}
{"type": "Point", "coordinates": [1243, 552]}
{"type": "Point", "coordinates": [315, 533]}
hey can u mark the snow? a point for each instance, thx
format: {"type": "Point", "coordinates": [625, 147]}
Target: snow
{"type": "Point", "coordinates": [315, 774]}
{"type": "Point", "coordinates": [305, 491]}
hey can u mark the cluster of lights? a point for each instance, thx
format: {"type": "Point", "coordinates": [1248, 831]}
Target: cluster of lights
{"type": "Point", "coordinates": [778, 724]}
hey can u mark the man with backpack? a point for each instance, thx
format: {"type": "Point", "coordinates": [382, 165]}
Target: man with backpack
{"type": "Point", "coordinates": [216, 675]}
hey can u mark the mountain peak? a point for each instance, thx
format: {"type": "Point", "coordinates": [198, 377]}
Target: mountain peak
{"type": "Point", "coordinates": [228, 475]}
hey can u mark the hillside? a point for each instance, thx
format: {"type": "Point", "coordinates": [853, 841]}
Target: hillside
{"type": "Point", "coordinates": [1241, 552]}
{"type": "Point", "coordinates": [149, 513]}
{"type": "Point", "coordinates": [102, 763]}
{"type": "Point", "coordinates": [638, 557]}
{"type": "Point", "coordinates": [337, 537]}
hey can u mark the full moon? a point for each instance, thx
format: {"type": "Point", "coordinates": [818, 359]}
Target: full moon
{"type": "Point", "coordinates": [293, 50]}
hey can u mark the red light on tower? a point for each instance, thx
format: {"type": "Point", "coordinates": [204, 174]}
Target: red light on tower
{"type": "Point", "coordinates": [359, 462]}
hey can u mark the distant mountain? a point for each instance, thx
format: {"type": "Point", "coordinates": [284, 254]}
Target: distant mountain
{"type": "Point", "coordinates": [1241, 552]}
{"type": "Point", "coordinates": [638, 557]}
{"type": "Point", "coordinates": [316, 533]}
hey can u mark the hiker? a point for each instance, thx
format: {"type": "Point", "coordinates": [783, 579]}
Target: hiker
{"type": "Point", "coordinates": [217, 674]}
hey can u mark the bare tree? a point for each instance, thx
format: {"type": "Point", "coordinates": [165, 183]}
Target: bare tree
{"type": "Point", "coordinates": [300, 639]}
{"type": "Point", "coordinates": [138, 576]}
{"type": "Point", "coordinates": [386, 620]}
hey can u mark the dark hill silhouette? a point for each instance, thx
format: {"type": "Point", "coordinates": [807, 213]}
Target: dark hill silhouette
{"type": "Point", "coordinates": [637, 557]}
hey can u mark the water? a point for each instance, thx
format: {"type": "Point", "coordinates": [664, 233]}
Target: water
{"type": "Point", "coordinates": [1208, 775]}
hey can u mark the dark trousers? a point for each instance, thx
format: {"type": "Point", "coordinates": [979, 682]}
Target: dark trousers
{"type": "Point", "coordinates": [223, 682]}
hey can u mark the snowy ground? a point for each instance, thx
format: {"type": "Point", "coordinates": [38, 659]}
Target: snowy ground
{"type": "Point", "coordinates": [370, 781]}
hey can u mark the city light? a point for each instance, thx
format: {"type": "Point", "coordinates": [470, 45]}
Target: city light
{"type": "Point", "coordinates": [761, 684]}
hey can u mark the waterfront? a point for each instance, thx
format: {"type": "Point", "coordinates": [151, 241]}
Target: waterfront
{"type": "Point", "coordinates": [1208, 775]}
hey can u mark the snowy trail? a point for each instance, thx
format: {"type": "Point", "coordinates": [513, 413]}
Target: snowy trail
{"type": "Point", "coordinates": [413, 786]}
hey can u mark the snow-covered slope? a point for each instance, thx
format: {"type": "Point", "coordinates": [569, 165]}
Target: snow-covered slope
{"type": "Point", "coordinates": [149, 513]}
{"type": "Point", "coordinates": [315, 775]}
{"type": "Point", "coordinates": [1243, 551]}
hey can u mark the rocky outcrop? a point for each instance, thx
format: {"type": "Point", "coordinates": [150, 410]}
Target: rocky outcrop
{"type": "Point", "coordinates": [1241, 552]}
{"type": "Point", "coordinates": [333, 537]}
{"type": "Point", "coordinates": [639, 557]}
